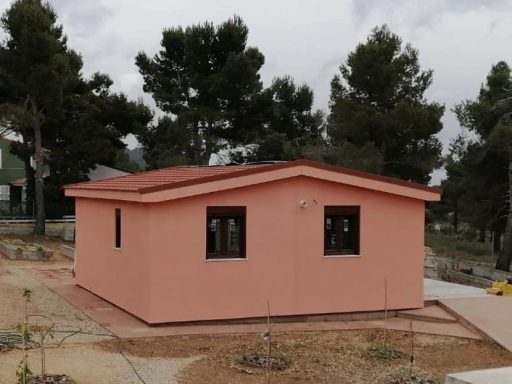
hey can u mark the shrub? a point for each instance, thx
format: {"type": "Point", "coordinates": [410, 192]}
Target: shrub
{"type": "Point", "coordinates": [385, 352]}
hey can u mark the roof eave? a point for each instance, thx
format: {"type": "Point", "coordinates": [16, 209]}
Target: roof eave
{"type": "Point", "coordinates": [254, 176]}
{"type": "Point", "coordinates": [103, 194]}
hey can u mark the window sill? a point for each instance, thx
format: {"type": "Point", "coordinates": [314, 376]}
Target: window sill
{"type": "Point", "coordinates": [340, 256]}
{"type": "Point", "coordinates": [117, 249]}
{"type": "Point", "coordinates": [227, 259]}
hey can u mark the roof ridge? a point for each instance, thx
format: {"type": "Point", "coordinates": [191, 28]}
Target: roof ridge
{"type": "Point", "coordinates": [182, 176]}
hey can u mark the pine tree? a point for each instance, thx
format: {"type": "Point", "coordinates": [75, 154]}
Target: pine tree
{"type": "Point", "coordinates": [483, 168]}
{"type": "Point", "coordinates": [379, 101]}
{"type": "Point", "coordinates": [66, 122]}
{"type": "Point", "coordinates": [208, 79]}
{"type": "Point", "coordinates": [36, 68]}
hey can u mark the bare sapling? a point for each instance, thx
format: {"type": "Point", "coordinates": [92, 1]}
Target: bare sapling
{"type": "Point", "coordinates": [267, 336]}
{"type": "Point", "coordinates": [385, 313]}
{"type": "Point", "coordinates": [44, 331]}
{"type": "Point", "coordinates": [23, 372]}
{"type": "Point", "coordinates": [412, 358]}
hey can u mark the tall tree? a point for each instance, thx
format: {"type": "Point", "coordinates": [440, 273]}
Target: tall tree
{"type": "Point", "coordinates": [166, 143]}
{"type": "Point", "coordinates": [379, 100]}
{"type": "Point", "coordinates": [36, 68]}
{"type": "Point", "coordinates": [485, 174]}
{"type": "Point", "coordinates": [207, 79]}
{"type": "Point", "coordinates": [290, 128]}
{"type": "Point", "coordinates": [95, 121]}
{"type": "Point", "coordinates": [66, 122]}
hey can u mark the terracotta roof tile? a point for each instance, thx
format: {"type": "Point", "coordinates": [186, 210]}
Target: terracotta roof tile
{"type": "Point", "coordinates": [175, 177]}
{"type": "Point", "coordinates": [160, 177]}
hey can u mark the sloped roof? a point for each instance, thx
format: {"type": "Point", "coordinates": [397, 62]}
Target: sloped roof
{"type": "Point", "coordinates": [149, 182]}
{"type": "Point", "coordinates": [165, 177]}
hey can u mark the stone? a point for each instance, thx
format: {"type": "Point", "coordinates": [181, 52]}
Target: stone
{"type": "Point", "coordinates": [68, 251]}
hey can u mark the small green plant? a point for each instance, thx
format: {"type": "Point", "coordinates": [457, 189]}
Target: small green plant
{"type": "Point", "coordinates": [44, 328]}
{"type": "Point", "coordinates": [384, 352]}
{"type": "Point", "coordinates": [44, 331]}
{"type": "Point", "coordinates": [23, 371]}
{"type": "Point", "coordinates": [9, 341]}
{"type": "Point", "coordinates": [39, 248]}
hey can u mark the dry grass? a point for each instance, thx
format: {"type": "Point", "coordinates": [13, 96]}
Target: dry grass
{"type": "Point", "coordinates": [457, 247]}
{"type": "Point", "coordinates": [320, 357]}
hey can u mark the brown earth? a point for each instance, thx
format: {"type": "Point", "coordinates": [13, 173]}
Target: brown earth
{"type": "Point", "coordinates": [320, 357]}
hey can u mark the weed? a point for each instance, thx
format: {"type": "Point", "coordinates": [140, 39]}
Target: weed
{"type": "Point", "coordinates": [385, 352]}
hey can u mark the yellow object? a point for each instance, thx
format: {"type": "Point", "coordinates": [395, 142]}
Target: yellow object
{"type": "Point", "coordinates": [500, 287]}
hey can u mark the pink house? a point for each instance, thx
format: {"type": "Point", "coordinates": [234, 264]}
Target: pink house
{"type": "Point", "coordinates": [216, 242]}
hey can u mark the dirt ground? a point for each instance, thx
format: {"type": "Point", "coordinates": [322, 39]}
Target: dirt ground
{"type": "Point", "coordinates": [315, 357]}
{"type": "Point", "coordinates": [78, 356]}
{"type": "Point", "coordinates": [13, 280]}
{"type": "Point", "coordinates": [320, 357]}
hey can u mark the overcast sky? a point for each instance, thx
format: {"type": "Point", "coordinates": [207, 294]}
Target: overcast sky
{"type": "Point", "coordinates": [307, 39]}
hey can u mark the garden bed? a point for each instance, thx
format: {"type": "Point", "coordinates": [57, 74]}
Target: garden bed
{"type": "Point", "coordinates": [51, 379]}
{"type": "Point", "coordinates": [17, 249]}
{"type": "Point", "coordinates": [321, 357]}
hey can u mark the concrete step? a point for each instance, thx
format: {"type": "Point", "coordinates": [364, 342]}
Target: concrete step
{"type": "Point", "coordinates": [431, 313]}
{"type": "Point", "coordinates": [488, 316]}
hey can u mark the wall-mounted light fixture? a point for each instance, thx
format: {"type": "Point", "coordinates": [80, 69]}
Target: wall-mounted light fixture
{"type": "Point", "coordinates": [303, 203]}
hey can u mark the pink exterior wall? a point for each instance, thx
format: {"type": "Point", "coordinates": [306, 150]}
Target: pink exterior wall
{"type": "Point", "coordinates": [162, 275]}
{"type": "Point", "coordinates": [119, 276]}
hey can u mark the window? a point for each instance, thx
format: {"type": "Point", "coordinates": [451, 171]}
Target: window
{"type": "Point", "coordinates": [5, 193]}
{"type": "Point", "coordinates": [225, 233]}
{"type": "Point", "coordinates": [341, 230]}
{"type": "Point", "coordinates": [118, 227]}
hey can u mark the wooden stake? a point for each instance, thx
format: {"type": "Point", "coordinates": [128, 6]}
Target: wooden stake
{"type": "Point", "coordinates": [385, 313]}
{"type": "Point", "coordinates": [269, 345]}
{"type": "Point", "coordinates": [412, 348]}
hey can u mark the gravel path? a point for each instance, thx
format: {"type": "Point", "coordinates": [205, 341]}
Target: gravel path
{"type": "Point", "coordinates": [13, 280]}
{"type": "Point", "coordinates": [78, 356]}
{"type": "Point", "coordinates": [87, 365]}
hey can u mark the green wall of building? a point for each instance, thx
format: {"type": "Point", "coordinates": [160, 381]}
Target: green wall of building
{"type": "Point", "coordinates": [12, 168]}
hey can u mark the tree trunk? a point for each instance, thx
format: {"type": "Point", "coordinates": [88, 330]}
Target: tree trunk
{"type": "Point", "coordinates": [197, 144]}
{"type": "Point", "coordinates": [505, 257]}
{"type": "Point", "coordinates": [30, 183]}
{"type": "Point", "coordinates": [496, 242]}
{"type": "Point", "coordinates": [456, 218]}
{"type": "Point", "coordinates": [481, 234]}
{"type": "Point", "coordinates": [39, 228]}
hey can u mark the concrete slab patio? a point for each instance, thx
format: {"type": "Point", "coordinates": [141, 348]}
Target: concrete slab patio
{"type": "Point", "coordinates": [486, 376]}
{"type": "Point", "coordinates": [436, 290]}
{"type": "Point", "coordinates": [486, 315]}
{"type": "Point", "coordinates": [490, 316]}
{"type": "Point", "coordinates": [125, 325]}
